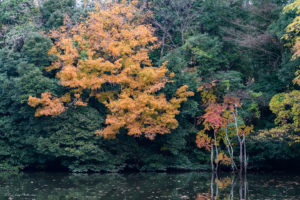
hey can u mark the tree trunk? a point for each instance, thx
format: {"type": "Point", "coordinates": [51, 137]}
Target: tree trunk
{"type": "Point", "coordinates": [230, 150]}
{"type": "Point", "coordinates": [212, 158]}
{"type": "Point", "coordinates": [217, 186]}
{"type": "Point", "coordinates": [245, 186]}
{"type": "Point", "coordinates": [241, 157]}
{"type": "Point", "coordinates": [217, 152]}
{"type": "Point", "coordinates": [240, 141]}
{"type": "Point", "coordinates": [212, 185]}
{"type": "Point", "coordinates": [232, 188]}
{"type": "Point", "coordinates": [241, 187]}
{"type": "Point", "coordinates": [245, 155]}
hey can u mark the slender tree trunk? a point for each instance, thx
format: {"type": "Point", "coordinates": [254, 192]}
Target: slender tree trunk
{"type": "Point", "coordinates": [217, 187]}
{"type": "Point", "coordinates": [217, 152]}
{"type": "Point", "coordinates": [212, 158]}
{"type": "Point", "coordinates": [245, 155]}
{"type": "Point", "coordinates": [232, 188]}
{"type": "Point", "coordinates": [240, 140]}
{"type": "Point", "coordinates": [230, 150]}
{"type": "Point", "coordinates": [245, 186]}
{"type": "Point", "coordinates": [241, 157]}
{"type": "Point", "coordinates": [241, 187]}
{"type": "Point", "coordinates": [212, 185]}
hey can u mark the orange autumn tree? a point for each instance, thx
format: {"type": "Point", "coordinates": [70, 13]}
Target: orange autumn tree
{"type": "Point", "coordinates": [107, 57]}
{"type": "Point", "coordinates": [213, 120]}
{"type": "Point", "coordinates": [221, 122]}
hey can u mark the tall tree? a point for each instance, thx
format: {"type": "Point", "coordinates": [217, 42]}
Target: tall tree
{"type": "Point", "coordinates": [286, 106]}
{"type": "Point", "coordinates": [107, 57]}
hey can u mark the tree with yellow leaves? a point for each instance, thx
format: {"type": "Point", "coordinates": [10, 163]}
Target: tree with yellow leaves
{"type": "Point", "coordinates": [291, 36]}
{"type": "Point", "coordinates": [107, 57]}
{"type": "Point", "coordinates": [286, 106]}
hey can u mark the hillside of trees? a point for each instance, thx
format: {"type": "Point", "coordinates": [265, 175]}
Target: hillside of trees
{"type": "Point", "coordinates": [149, 85]}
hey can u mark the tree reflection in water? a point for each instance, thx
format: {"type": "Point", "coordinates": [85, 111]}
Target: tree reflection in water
{"type": "Point", "coordinates": [218, 185]}
{"type": "Point", "coordinates": [143, 186]}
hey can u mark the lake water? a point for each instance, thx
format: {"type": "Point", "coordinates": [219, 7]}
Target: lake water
{"type": "Point", "coordinates": [142, 186]}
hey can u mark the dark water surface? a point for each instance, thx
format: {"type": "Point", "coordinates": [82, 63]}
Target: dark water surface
{"type": "Point", "coordinates": [140, 186]}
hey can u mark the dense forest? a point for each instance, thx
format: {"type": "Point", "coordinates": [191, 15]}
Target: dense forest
{"type": "Point", "coordinates": [149, 85]}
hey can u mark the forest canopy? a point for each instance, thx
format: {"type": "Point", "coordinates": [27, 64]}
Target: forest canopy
{"type": "Point", "coordinates": [149, 84]}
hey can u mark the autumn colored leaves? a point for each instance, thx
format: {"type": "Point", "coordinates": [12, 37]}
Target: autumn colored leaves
{"type": "Point", "coordinates": [286, 106]}
{"type": "Point", "coordinates": [221, 124]}
{"type": "Point", "coordinates": [107, 57]}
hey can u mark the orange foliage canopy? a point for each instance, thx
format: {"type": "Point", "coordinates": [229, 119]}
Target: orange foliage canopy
{"type": "Point", "coordinates": [107, 56]}
{"type": "Point", "coordinates": [216, 116]}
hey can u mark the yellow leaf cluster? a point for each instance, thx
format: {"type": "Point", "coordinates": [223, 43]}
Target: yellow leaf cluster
{"type": "Point", "coordinates": [204, 141]}
{"type": "Point", "coordinates": [223, 159]}
{"type": "Point", "coordinates": [207, 93]}
{"type": "Point", "coordinates": [292, 34]}
{"type": "Point", "coordinates": [286, 106]}
{"type": "Point", "coordinates": [48, 105]}
{"type": "Point", "coordinates": [245, 130]}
